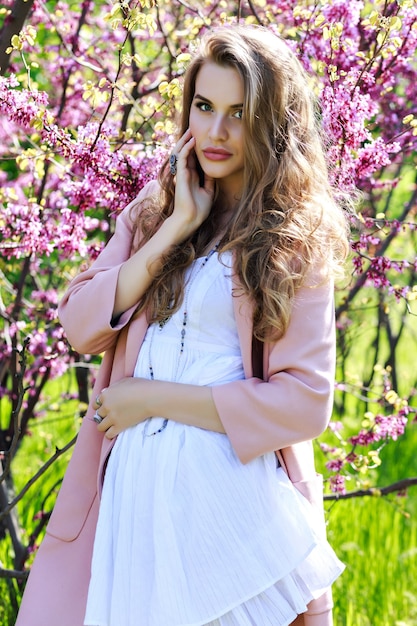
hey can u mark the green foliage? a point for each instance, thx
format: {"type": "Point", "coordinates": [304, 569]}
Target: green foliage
{"type": "Point", "coordinates": [9, 593]}
{"type": "Point", "coordinates": [378, 544]}
{"type": "Point", "coordinates": [376, 537]}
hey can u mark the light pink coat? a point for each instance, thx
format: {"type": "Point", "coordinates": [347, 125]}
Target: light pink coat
{"type": "Point", "coordinates": [292, 405]}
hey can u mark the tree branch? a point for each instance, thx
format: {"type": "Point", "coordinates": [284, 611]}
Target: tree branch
{"type": "Point", "coordinates": [256, 14]}
{"type": "Point", "coordinates": [58, 452]}
{"type": "Point", "coordinates": [12, 26]}
{"type": "Point", "coordinates": [361, 280]}
{"type": "Point", "coordinates": [13, 573]}
{"type": "Point", "coordinates": [401, 485]}
{"type": "Point", "coordinates": [15, 417]}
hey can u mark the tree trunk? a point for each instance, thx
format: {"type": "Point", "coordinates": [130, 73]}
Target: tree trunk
{"type": "Point", "coordinates": [13, 24]}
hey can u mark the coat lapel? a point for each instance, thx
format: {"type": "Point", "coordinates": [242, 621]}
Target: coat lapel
{"type": "Point", "coordinates": [134, 339]}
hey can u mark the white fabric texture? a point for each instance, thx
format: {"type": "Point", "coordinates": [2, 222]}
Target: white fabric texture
{"type": "Point", "coordinates": [187, 535]}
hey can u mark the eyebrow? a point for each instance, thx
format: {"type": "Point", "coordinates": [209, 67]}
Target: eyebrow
{"type": "Point", "coordinates": [197, 96]}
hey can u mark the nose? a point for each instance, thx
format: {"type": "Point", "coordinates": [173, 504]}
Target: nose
{"type": "Point", "coordinates": [218, 128]}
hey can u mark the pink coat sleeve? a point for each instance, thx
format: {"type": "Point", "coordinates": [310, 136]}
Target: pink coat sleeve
{"type": "Point", "coordinates": [86, 309]}
{"type": "Point", "coordinates": [294, 402]}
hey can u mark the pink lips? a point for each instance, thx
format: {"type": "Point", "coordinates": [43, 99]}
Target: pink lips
{"type": "Point", "coordinates": [216, 154]}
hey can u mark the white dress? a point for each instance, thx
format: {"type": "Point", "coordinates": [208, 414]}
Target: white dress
{"type": "Point", "coordinates": [187, 535]}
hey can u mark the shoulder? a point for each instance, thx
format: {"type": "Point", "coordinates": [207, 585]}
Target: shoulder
{"type": "Point", "coordinates": [127, 219]}
{"type": "Point", "coordinates": [150, 193]}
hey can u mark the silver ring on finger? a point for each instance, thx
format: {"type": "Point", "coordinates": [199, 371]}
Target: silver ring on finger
{"type": "Point", "coordinates": [173, 164]}
{"type": "Point", "coordinates": [97, 418]}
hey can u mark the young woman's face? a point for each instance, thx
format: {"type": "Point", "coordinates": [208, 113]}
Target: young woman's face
{"type": "Point", "coordinates": [216, 124]}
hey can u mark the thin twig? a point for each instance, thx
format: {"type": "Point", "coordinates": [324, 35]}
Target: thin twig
{"type": "Point", "coordinates": [256, 14]}
{"type": "Point", "coordinates": [193, 10]}
{"type": "Point", "coordinates": [13, 573]}
{"type": "Point", "coordinates": [58, 452]}
{"type": "Point", "coordinates": [9, 454]}
{"type": "Point", "coordinates": [401, 485]}
{"type": "Point", "coordinates": [362, 278]}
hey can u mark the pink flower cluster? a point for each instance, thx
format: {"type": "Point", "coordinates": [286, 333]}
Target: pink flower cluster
{"type": "Point", "coordinates": [354, 453]}
{"type": "Point", "coordinates": [385, 427]}
{"type": "Point", "coordinates": [104, 177]}
{"type": "Point", "coordinates": [20, 106]}
{"type": "Point", "coordinates": [47, 350]}
{"type": "Point", "coordinates": [366, 73]}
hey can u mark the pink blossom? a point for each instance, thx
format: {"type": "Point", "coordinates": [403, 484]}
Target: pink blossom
{"type": "Point", "coordinates": [338, 483]}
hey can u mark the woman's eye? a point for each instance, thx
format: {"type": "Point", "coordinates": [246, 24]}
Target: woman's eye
{"type": "Point", "coordinates": [208, 108]}
{"type": "Point", "coordinates": [203, 106]}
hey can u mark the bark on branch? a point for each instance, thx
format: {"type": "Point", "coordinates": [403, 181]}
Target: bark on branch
{"type": "Point", "coordinates": [58, 452]}
{"type": "Point", "coordinates": [401, 485]}
{"type": "Point", "coordinates": [13, 24]}
{"type": "Point", "coordinates": [14, 573]}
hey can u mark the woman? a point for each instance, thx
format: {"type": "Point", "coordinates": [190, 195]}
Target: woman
{"type": "Point", "coordinates": [213, 305]}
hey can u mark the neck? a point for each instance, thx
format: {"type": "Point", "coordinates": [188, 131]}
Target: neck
{"type": "Point", "coordinates": [228, 201]}
{"type": "Point", "coordinates": [227, 208]}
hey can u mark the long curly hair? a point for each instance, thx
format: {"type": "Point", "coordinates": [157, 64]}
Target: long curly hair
{"type": "Point", "coordinates": [287, 219]}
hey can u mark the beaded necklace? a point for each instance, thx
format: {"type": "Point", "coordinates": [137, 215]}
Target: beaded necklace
{"type": "Point", "coordinates": [193, 275]}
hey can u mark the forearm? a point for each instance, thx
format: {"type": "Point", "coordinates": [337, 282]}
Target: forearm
{"type": "Point", "coordinates": [188, 404]}
{"type": "Point", "coordinates": [133, 400]}
{"type": "Point", "coordinates": [138, 272]}
{"type": "Point", "coordinates": [192, 206]}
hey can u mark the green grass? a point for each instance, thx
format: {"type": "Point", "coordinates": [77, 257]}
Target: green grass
{"type": "Point", "coordinates": [376, 538]}
{"type": "Point", "coordinates": [378, 544]}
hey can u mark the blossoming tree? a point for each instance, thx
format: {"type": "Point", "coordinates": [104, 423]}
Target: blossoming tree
{"type": "Point", "coordinates": [88, 97]}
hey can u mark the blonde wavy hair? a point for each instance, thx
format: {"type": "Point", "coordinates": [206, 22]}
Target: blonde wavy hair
{"type": "Point", "coordinates": [286, 220]}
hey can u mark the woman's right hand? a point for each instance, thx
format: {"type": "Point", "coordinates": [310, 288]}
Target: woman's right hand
{"type": "Point", "coordinates": [192, 205]}
{"type": "Point", "coordinates": [192, 202]}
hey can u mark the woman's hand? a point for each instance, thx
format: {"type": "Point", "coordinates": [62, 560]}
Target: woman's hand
{"type": "Point", "coordinates": [133, 400]}
{"type": "Point", "coordinates": [192, 202]}
{"type": "Point", "coordinates": [122, 405]}
{"type": "Point", "coordinates": [192, 205]}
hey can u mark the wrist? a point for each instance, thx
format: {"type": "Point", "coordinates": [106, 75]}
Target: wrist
{"type": "Point", "coordinates": [179, 227]}
{"type": "Point", "coordinates": [146, 392]}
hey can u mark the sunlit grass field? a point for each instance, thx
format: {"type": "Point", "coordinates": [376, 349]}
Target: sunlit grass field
{"type": "Point", "coordinates": [379, 546]}
{"type": "Point", "coordinates": [375, 537]}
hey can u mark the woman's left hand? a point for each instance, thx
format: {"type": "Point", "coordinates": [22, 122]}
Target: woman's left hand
{"type": "Point", "coordinates": [131, 401]}
{"type": "Point", "coordinates": [121, 406]}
